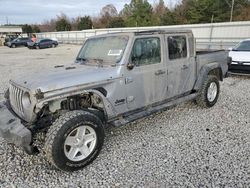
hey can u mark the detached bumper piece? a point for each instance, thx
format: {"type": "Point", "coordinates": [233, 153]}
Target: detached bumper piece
{"type": "Point", "coordinates": [12, 130]}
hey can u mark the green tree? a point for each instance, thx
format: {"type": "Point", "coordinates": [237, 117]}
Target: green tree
{"type": "Point", "coordinates": [169, 18]}
{"type": "Point", "coordinates": [202, 11]}
{"type": "Point", "coordinates": [35, 29]}
{"type": "Point", "coordinates": [27, 29]}
{"type": "Point", "coordinates": [138, 13]}
{"type": "Point", "coordinates": [116, 22]}
{"type": "Point", "coordinates": [63, 25]}
{"type": "Point", "coordinates": [84, 23]}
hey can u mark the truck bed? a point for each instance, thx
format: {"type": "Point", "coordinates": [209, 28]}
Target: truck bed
{"type": "Point", "coordinates": [204, 57]}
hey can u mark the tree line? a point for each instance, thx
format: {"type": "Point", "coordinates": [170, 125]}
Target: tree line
{"type": "Point", "coordinates": [139, 13]}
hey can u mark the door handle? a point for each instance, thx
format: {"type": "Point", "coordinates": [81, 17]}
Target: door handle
{"type": "Point", "coordinates": [159, 72]}
{"type": "Point", "coordinates": [184, 67]}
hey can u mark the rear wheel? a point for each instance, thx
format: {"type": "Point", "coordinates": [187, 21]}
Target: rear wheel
{"type": "Point", "coordinates": [74, 140]}
{"type": "Point", "coordinates": [209, 92]}
{"type": "Point", "coordinates": [37, 47]}
{"type": "Point", "coordinates": [13, 46]}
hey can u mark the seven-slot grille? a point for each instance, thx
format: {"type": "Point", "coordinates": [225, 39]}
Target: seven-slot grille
{"type": "Point", "coordinates": [16, 99]}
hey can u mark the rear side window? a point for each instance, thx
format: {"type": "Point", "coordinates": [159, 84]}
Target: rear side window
{"type": "Point", "coordinates": [146, 51]}
{"type": "Point", "coordinates": [25, 38]}
{"type": "Point", "coordinates": [177, 47]}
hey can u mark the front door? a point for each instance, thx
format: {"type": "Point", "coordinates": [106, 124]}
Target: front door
{"type": "Point", "coordinates": [181, 65]}
{"type": "Point", "coordinates": [146, 82]}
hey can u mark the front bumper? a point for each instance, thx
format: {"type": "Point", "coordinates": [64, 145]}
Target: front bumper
{"type": "Point", "coordinates": [13, 131]}
{"type": "Point", "coordinates": [239, 67]}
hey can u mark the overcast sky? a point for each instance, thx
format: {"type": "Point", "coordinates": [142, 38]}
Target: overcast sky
{"type": "Point", "coordinates": [37, 11]}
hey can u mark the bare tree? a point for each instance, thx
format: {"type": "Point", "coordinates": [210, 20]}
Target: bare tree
{"type": "Point", "coordinates": [107, 13]}
{"type": "Point", "coordinates": [109, 10]}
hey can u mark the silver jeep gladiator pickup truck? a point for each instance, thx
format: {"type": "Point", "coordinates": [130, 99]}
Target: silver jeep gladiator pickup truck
{"type": "Point", "coordinates": [115, 79]}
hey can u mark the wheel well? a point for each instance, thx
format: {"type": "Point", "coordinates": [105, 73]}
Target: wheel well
{"type": "Point", "coordinates": [87, 101]}
{"type": "Point", "coordinates": [217, 72]}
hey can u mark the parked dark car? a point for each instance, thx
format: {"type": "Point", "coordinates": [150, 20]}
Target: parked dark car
{"type": "Point", "coordinates": [42, 43]}
{"type": "Point", "coordinates": [18, 42]}
{"type": "Point", "coordinates": [9, 38]}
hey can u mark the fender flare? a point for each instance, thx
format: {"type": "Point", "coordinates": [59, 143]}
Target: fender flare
{"type": "Point", "coordinates": [205, 70]}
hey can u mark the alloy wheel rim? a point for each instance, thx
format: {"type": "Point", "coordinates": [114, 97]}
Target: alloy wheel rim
{"type": "Point", "coordinates": [212, 92]}
{"type": "Point", "coordinates": [80, 143]}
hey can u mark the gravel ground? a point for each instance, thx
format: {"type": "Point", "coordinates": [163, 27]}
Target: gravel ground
{"type": "Point", "coordinates": [185, 146]}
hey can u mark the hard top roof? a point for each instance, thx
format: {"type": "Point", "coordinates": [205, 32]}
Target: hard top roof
{"type": "Point", "coordinates": [145, 32]}
{"type": "Point", "coordinates": [162, 31]}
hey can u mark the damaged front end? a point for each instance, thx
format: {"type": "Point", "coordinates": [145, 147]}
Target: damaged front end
{"type": "Point", "coordinates": [12, 129]}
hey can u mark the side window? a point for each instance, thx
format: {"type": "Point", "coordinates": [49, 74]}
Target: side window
{"type": "Point", "coordinates": [177, 47]}
{"type": "Point", "coordinates": [146, 51]}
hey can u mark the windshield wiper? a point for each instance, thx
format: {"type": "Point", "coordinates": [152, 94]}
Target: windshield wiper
{"type": "Point", "coordinates": [81, 60]}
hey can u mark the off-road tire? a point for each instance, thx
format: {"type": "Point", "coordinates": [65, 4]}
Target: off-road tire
{"type": "Point", "coordinates": [61, 128]}
{"type": "Point", "coordinates": [202, 99]}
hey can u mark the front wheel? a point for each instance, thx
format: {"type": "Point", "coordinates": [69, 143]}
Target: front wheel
{"type": "Point", "coordinates": [74, 140]}
{"type": "Point", "coordinates": [209, 92]}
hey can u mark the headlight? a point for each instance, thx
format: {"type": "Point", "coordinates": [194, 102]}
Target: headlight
{"type": "Point", "coordinates": [26, 100]}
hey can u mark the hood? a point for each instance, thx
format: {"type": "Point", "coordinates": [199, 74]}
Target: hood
{"type": "Point", "coordinates": [66, 77]}
{"type": "Point", "coordinates": [240, 56]}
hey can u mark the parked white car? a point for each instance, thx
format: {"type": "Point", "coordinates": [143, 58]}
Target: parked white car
{"type": "Point", "coordinates": [240, 55]}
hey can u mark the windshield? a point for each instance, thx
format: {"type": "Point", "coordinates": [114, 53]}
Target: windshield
{"type": "Point", "coordinates": [243, 46]}
{"type": "Point", "coordinates": [103, 50]}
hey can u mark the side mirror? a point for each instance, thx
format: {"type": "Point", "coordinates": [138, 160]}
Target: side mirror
{"type": "Point", "coordinates": [130, 66]}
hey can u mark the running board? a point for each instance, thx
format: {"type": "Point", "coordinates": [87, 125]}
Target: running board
{"type": "Point", "coordinates": [151, 110]}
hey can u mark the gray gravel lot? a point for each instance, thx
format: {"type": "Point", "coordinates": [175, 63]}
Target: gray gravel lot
{"type": "Point", "coordinates": [185, 146]}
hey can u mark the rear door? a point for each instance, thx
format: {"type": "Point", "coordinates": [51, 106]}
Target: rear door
{"type": "Point", "coordinates": [146, 82]}
{"type": "Point", "coordinates": [23, 41]}
{"type": "Point", "coordinates": [18, 42]}
{"type": "Point", "coordinates": [44, 43]}
{"type": "Point", "coordinates": [181, 64]}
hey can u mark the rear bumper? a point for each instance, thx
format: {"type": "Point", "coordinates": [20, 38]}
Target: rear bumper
{"type": "Point", "coordinates": [13, 131]}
